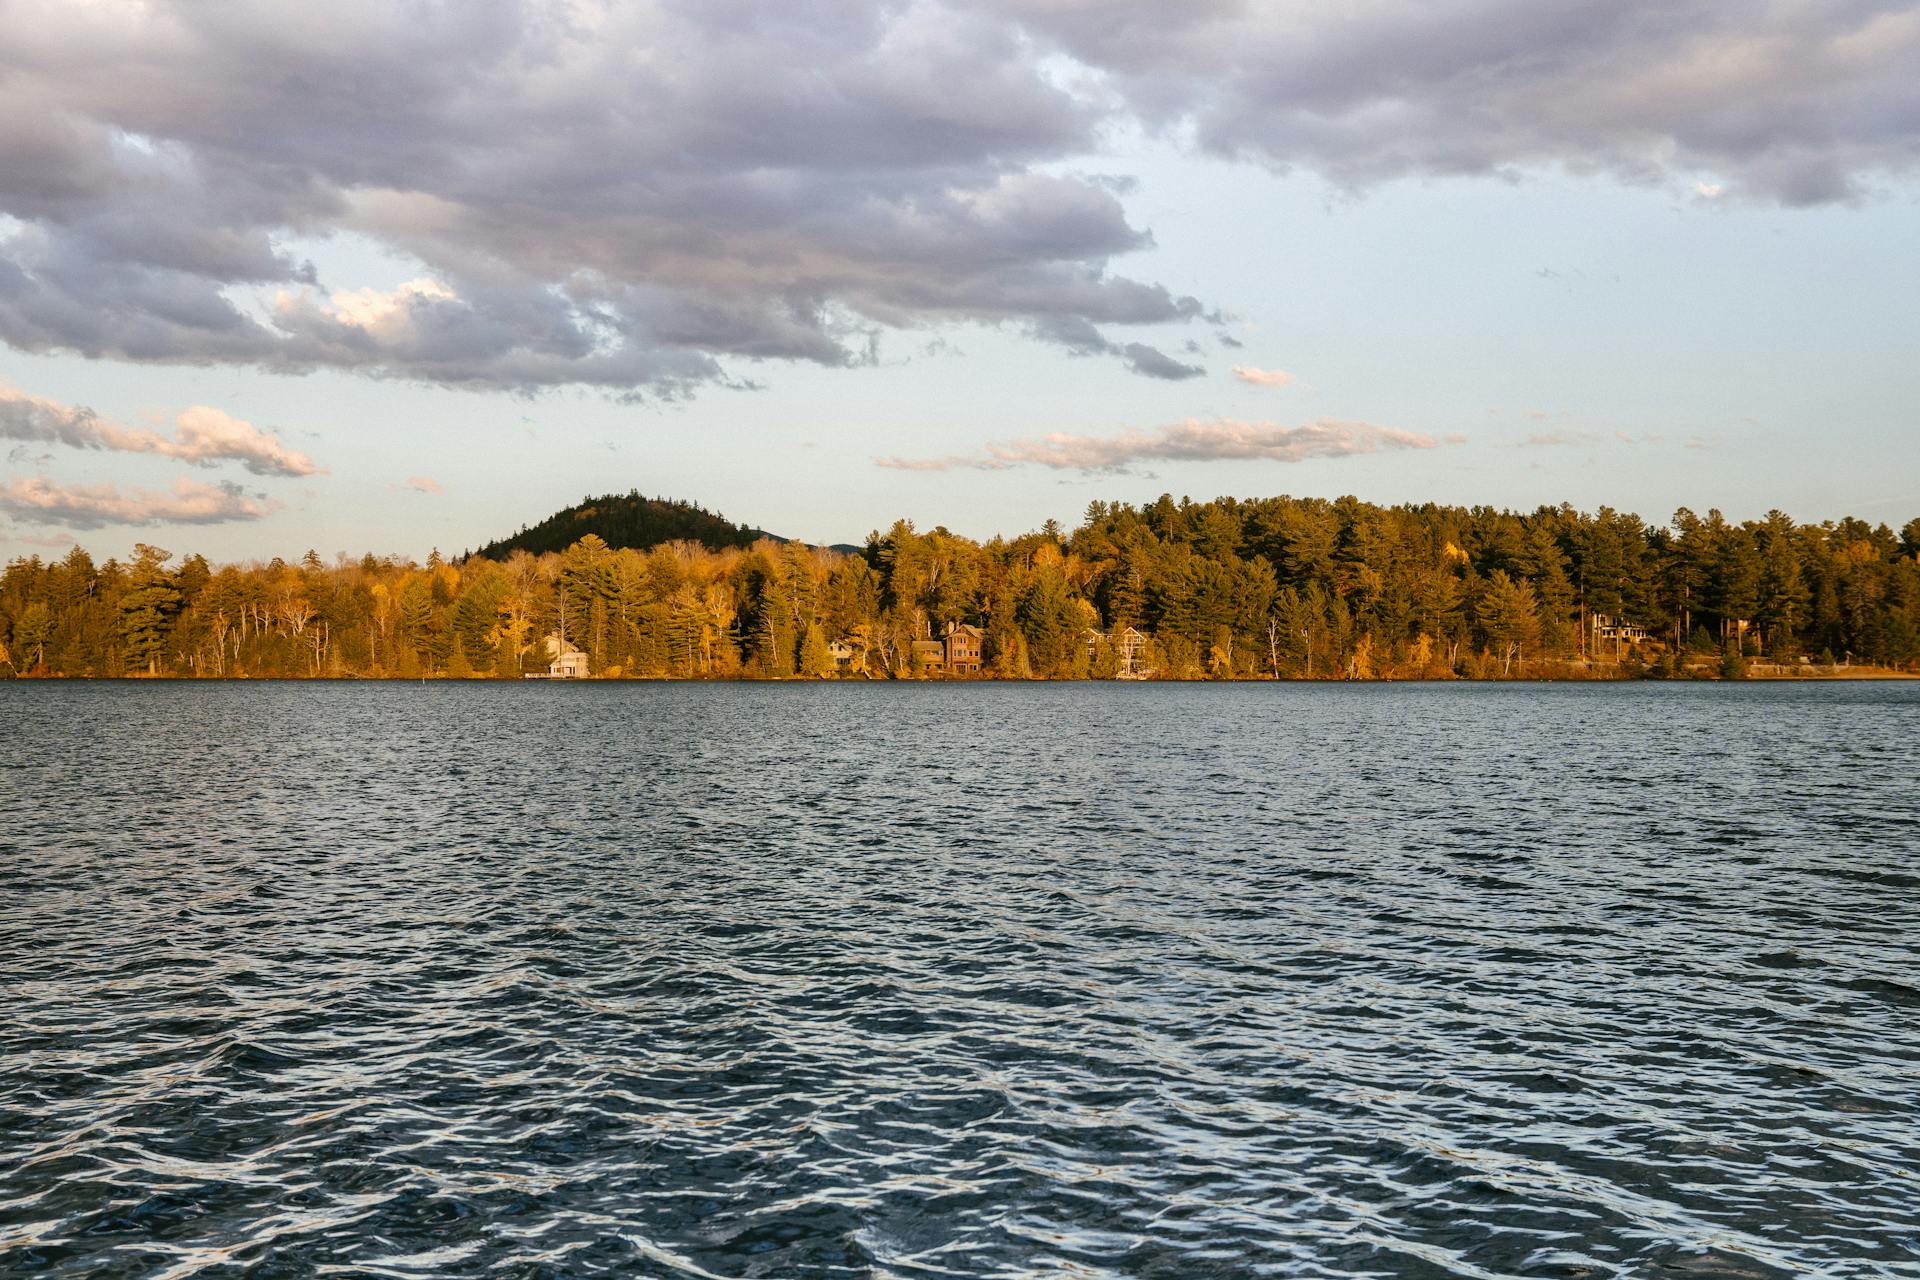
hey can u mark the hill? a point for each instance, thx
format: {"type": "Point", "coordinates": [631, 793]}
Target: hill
{"type": "Point", "coordinates": [626, 520]}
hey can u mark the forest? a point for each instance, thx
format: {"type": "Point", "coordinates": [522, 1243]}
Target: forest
{"type": "Point", "coordinates": [1285, 587]}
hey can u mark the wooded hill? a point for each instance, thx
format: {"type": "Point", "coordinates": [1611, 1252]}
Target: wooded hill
{"type": "Point", "coordinates": [1230, 589]}
{"type": "Point", "coordinates": [623, 520]}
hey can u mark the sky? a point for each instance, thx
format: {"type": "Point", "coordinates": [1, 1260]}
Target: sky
{"type": "Point", "coordinates": [376, 277]}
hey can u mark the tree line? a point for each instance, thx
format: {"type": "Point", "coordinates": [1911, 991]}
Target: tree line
{"type": "Point", "coordinates": [1279, 587]}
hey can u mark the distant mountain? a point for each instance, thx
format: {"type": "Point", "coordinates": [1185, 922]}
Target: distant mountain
{"type": "Point", "coordinates": [627, 520]}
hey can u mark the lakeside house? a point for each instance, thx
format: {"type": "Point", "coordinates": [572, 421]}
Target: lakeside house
{"type": "Point", "coordinates": [1128, 646]}
{"type": "Point", "coordinates": [1608, 630]}
{"type": "Point", "coordinates": [961, 652]}
{"type": "Point", "coordinates": [566, 662]}
{"type": "Point", "coordinates": [931, 655]}
{"type": "Point", "coordinates": [965, 645]}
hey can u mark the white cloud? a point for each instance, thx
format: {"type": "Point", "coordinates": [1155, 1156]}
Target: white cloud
{"type": "Point", "coordinates": [1263, 377]}
{"type": "Point", "coordinates": [203, 435]}
{"type": "Point", "coordinates": [1193, 440]}
{"type": "Point", "coordinates": [387, 316]}
{"type": "Point", "coordinates": [38, 500]}
{"type": "Point", "coordinates": [423, 484]}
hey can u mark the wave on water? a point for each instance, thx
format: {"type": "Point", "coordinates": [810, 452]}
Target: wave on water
{"type": "Point", "coordinates": [892, 981]}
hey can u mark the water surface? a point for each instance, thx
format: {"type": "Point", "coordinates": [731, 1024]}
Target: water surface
{"type": "Point", "coordinates": [930, 981]}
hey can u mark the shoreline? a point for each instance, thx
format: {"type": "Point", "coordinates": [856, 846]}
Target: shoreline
{"type": "Point", "coordinates": [1855, 675]}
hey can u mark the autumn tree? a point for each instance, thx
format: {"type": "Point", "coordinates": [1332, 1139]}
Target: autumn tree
{"type": "Point", "coordinates": [1508, 613]}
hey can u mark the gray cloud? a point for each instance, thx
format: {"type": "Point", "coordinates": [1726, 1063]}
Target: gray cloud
{"type": "Point", "coordinates": [202, 435]}
{"type": "Point", "coordinates": [38, 500]}
{"type": "Point", "coordinates": [1789, 101]}
{"type": "Point", "coordinates": [1081, 338]}
{"type": "Point", "coordinates": [1190, 441]}
{"type": "Point", "coordinates": [640, 196]}
{"type": "Point", "coordinates": [1152, 362]}
{"type": "Point", "coordinates": [620, 196]}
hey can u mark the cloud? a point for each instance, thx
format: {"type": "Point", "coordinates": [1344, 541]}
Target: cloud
{"type": "Point", "coordinates": [1152, 362]}
{"type": "Point", "coordinates": [619, 196]}
{"type": "Point", "coordinates": [1263, 377]}
{"type": "Point", "coordinates": [644, 197]}
{"type": "Point", "coordinates": [423, 484]}
{"type": "Point", "coordinates": [1799, 103]}
{"type": "Point", "coordinates": [202, 435]}
{"type": "Point", "coordinates": [1081, 338]}
{"type": "Point", "coordinates": [1557, 439]}
{"type": "Point", "coordinates": [37, 500]}
{"type": "Point", "coordinates": [1190, 441]}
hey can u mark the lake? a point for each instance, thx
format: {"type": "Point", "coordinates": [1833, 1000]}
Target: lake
{"type": "Point", "coordinates": [960, 980]}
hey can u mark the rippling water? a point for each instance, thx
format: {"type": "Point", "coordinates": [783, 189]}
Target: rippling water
{"type": "Point", "coordinates": [917, 981]}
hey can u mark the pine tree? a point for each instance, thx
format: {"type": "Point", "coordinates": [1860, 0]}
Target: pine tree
{"type": "Point", "coordinates": [816, 659]}
{"type": "Point", "coordinates": [147, 608]}
{"type": "Point", "coordinates": [1046, 617]}
{"type": "Point", "coordinates": [1018, 666]}
{"type": "Point", "coordinates": [1509, 615]}
{"type": "Point", "coordinates": [31, 632]}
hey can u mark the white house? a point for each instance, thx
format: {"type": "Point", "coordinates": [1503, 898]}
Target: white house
{"type": "Point", "coordinates": [567, 662]}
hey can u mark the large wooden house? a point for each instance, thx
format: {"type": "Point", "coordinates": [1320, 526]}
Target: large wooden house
{"type": "Point", "coordinates": [931, 655]}
{"type": "Point", "coordinates": [960, 653]}
{"type": "Point", "coordinates": [965, 647]}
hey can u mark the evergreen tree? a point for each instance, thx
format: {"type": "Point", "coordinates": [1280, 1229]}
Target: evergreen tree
{"type": "Point", "coordinates": [1046, 619]}
{"type": "Point", "coordinates": [31, 632]}
{"type": "Point", "coordinates": [506, 658]}
{"type": "Point", "coordinates": [1509, 614]}
{"type": "Point", "coordinates": [815, 659]}
{"type": "Point", "coordinates": [147, 607]}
